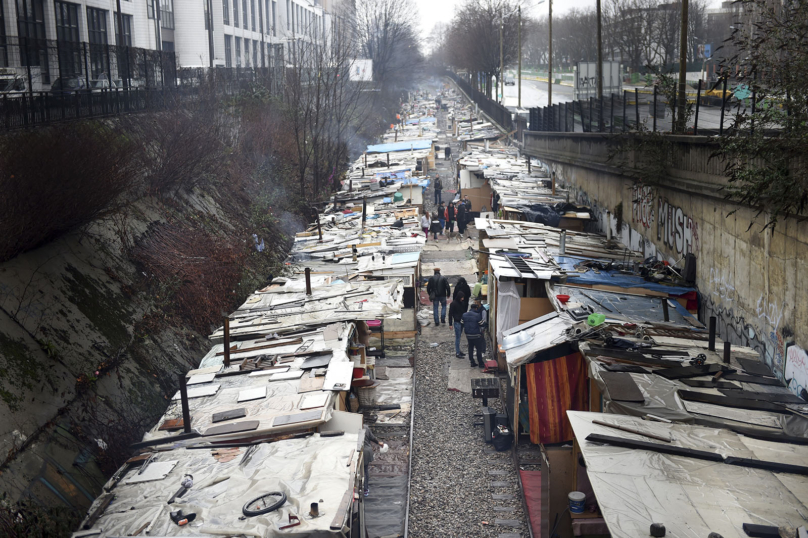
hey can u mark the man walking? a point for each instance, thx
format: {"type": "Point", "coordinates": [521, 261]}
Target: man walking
{"type": "Point", "coordinates": [456, 311]}
{"type": "Point", "coordinates": [442, 217]}
{"type": "Point", "coordinates": [438, 290]}
{"type": "Point", "coordinates": [471, 322]}
{"type": "Point", "coordinates": [438, 189]}
{"type": "Point", "coordinates": [461, 219]}
{"type": "Point", "coordinates": [450, 219]}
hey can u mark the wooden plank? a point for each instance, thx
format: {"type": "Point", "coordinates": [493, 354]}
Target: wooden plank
{"type": "Point", "coordinates": [726, 401]}
{"type": "Point", "coordinates": [693, 371]}
{"type": "Point", "coordinates": [392, 335]}
{"type": "Point", "coordinates": [234, 350]}
{"type": "Point", "coordinates": [310, 384]}
{"type": "Point", "coordinates": [172, 424]}
{"type": "Point", "coordinates": [245, 426]}
{"type": "Point", "coordinates": [229, 415]}
{"type": "Point", "coordinates": [345, 503]}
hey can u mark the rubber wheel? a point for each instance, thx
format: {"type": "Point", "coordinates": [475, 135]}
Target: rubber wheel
{"type": "Point", "coordinates": [264, 504]}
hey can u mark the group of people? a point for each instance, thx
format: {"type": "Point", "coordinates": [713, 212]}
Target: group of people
{"type": "Point", "coordinates": [471, 320]}
{"type": "Point", "coordinates": [443, 220]}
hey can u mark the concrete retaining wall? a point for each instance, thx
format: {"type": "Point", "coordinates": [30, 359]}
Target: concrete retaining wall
{"type": "Point", "coordinates": [753, 281]}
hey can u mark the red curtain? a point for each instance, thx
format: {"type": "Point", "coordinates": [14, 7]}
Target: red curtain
{"type": "Point", "coordinates": [554, 387]}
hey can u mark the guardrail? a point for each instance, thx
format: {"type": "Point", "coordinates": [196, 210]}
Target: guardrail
{"type": "Point", "coordinates": [639, 108]}
{"type": "Point", "coordinates": [498, 113]}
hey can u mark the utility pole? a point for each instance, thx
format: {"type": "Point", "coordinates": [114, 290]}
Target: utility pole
{"type": "Point", "coordinates": [501, 62]}
{"type": "Point", "coordinates": [519, 74]}
{"type": "Point", "coordinates": [600, 71]}
{"type": "Point", "coordinates": [550, 58]}
{"type": "Point", "coordinates": [683, 69]}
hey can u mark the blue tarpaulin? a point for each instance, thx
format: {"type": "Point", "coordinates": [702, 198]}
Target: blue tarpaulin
{"type": "Point", "coordinates": [613, 278]}
{"type": "Point", "coordinates": [416, 121]}
{"type": "Point", "coordinates": [400, 146]}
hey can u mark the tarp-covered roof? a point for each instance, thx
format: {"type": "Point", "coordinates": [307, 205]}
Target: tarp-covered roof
{"type": "Point", "coordinates": [400, 146]}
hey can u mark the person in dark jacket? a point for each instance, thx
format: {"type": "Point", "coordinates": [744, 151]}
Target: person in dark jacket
{"type": "Point", "coordinates": [451, 215]}
{"type": "Point", "coordinates": [471, 321]}
{"type": "Point", "coordinates": [461, 218]}
{"type": "Point", "coordinates": [462, 287]}
{"type": "Point", "coordinates": [456, 311]}
{"type": "Point", "coordinates": [435, 227]}
{"type": "Point", "coordinates": [438, 289]}
{"type": "Point", "coordinates": [438, 189]}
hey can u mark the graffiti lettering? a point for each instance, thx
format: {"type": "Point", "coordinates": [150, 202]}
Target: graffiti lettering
{"type": "Point", "coordinates": [796, 369]}
{"type": "Point", "coordinates": [642, 205]}
{"type": "Point", "coordinates": [676, 230]}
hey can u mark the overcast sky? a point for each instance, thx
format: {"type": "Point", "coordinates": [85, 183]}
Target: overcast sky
{"type": "Point", "coordinates": [432, 11]}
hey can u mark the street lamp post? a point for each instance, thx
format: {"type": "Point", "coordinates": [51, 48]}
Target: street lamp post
{"type": "Point", "coordinates": [550, 57]}
{"type": "Point", "coordinates": [600, 71]}
{"type": "Point", "coordinates": [519, 74]}
{"type": "Point", "coordinates": [683, 69]}
{"type": "Point", "coordinates": [501, 63]}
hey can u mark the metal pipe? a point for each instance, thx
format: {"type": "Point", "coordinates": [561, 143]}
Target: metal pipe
{"type": "Point", "coordinates": [226, 342]}
{"type": "Point", "coordinates": [698, 102]}
{"type": "Point", "coordinates": [562, 243]}
{"type": "Point", "coordinates": [553, 179]}
{"type": "Point", "coordinates": [723, 104]}
{"type": "Point", "coordinates": [319, 228]}
{"type": "Point", "coordinates": [727, 347]}
{"type": "Point", "coordinates": [186, 413]}
{"type": "Point", "coordinates": [655, 106]}
{"type": "Point", "coordinates": [665, 313]}
{"type": "Point", "coordinates": [608, 226]}
{"type": "Point", "coordinates": [711, 342]}
{"type": "Point", "coordinates": [308, 281]}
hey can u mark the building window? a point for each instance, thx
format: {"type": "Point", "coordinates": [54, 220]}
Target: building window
{"type": "Point", "coordinates": [273, 19]}
{"type": "Point", "coordinates": [31, 29]}
{"type": "Point", "coordinates": [207, 15]}
{"type": "Point", "coordinates": [3, 50]}
{"type": "Point", "coordinates": [238, 51]}
{"type": "Point", "coordinates": [150, 8]}
{"type": "Point", "coordinates": [126, 22]}
{"type": "Point", "coordinates": [244, 13]}
{"type": "Point", "coordinates": [255, 53]}
{"type": "Point", "coordinates": [167, 14]}
{"type": "Point", "coordinates": [252, 14]}
{"type": "Point", "coordinates": [228, 61]}
{"type": "Point", "coordinates": [226, 11]}
{"type": "Point", "coordinates": [97, 33]}
{"type": "Point", "coordinates": [67, 36]}
{"type": "Point", "coordinates": [288, 12]}
{"type": "Point", "coordinates": [246, 53]}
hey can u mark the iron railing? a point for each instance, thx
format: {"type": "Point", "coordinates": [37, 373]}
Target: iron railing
{"type": "Point", "coordinates": [43, 81]}
{"type": "Point", "coordinates": [498, 113]}
{"type": "Point", "coordinates": [640, 108]}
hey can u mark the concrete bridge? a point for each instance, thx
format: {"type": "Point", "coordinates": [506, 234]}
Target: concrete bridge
{"type": "Point", "coordinates": [753, 281]}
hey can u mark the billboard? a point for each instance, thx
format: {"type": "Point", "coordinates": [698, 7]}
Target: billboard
{"type": "Point", "coordinates": [361, 70]}
{"type": "Point", "coordinates": [585, 77]}
{"type": "Point", "coordinates": [704, 51]}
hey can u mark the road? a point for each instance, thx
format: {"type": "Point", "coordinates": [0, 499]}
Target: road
{"type": "Point", "coordinates": [534, 93]}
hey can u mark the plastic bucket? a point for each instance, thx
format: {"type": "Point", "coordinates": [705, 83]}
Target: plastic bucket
{"type": "Point", "coordinates": [563, 298]}
{"type": "Point", "coordinates": [577, 502]}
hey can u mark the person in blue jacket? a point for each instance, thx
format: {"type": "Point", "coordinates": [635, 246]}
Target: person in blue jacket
{"type": "Point", "coordinates": [472, 325]}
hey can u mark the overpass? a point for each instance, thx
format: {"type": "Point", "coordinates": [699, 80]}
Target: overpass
{"type": "Point", "coordinates": [749, 278]}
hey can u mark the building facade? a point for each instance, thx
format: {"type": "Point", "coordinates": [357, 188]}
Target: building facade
{"type": "Point", "coordinates": [84, 42]}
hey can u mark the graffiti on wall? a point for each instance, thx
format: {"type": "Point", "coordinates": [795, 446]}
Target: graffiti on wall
{"type": "Point", "coordinates": [797, 369]}
{"type": "Point", "coordinates": [676, 230]}
{"type": "Point", "coordinates": [642, 205]}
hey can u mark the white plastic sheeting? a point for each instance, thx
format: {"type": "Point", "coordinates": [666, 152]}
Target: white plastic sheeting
{"type": "Point", "coordinates": [549, 332]}
{"type": "Point", "coordinates": [691, 497]}
{"type": "Point", "coordinates": [315, 469]}
{"type": "Point", "coordinates": [508, 304]}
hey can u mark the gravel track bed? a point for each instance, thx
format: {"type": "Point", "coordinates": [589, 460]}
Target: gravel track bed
{"type": "Point", "coordinates": [451, 489]}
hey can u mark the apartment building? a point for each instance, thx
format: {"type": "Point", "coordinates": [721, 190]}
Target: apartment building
{"type": "Point", "coordinates": [246, 33]}
{"type": "Point", "coordinates": [43, 39]}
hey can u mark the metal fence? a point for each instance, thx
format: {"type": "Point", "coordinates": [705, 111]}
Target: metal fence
{"type": "Point", "coordinates": [498, 113]}
{"type": "Point", "coordinates": [43, 81]}
{"type": "Point", "coordinates": [639, 108]}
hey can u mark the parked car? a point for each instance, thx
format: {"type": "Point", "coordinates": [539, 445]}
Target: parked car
{"type": "Point", "coordinates": [510, 81]}
{"type": "Point", "coordinates": [68, 85]}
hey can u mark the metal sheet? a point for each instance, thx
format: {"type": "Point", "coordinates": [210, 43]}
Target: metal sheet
{"type": "Point", "coordinates": [315, 399]}
{"type": "Point", "coordinates": [294, 374]}
{"type": "Point", "coordinates": [229, 415]}
{"type": "Point", "coordinates": [316, 362]}
{"type": "Point", "coordinates": [200, 378]}
{"type": "Point", "coordinates": [252, 394]}
{"type": "Point", "coordinates": [297, 418]}
{"type": "Point", "coordinates": [235, 427]}
{"type": "Point", "coordinates": [198, 392]}
{"type": "Point", "coordinates": [273, 371]}
{"type": "Point", "coordinates": [338, 376]}
{"type": "Point", "coordinates": [156, 470]}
